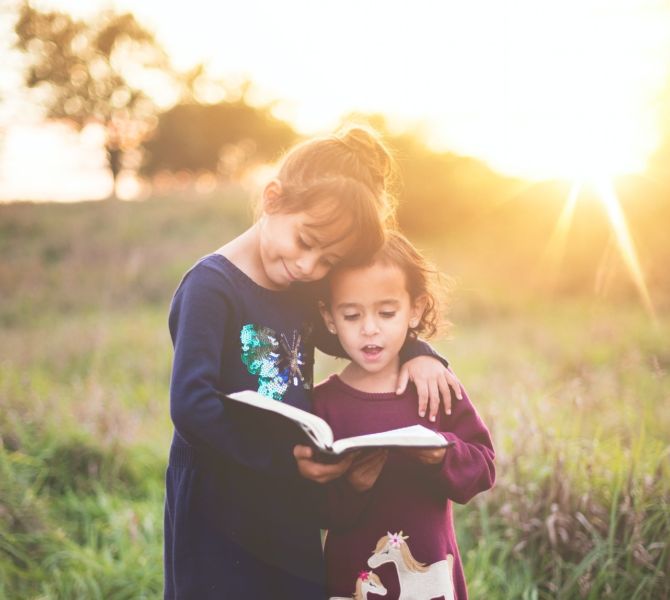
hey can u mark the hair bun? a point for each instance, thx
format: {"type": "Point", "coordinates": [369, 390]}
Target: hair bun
{"type": "Point", "coordinates": [368, 147]}
{"type": "Point", "coordinates": [354, 158]}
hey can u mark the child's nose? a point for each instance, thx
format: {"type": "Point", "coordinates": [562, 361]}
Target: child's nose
{"type": "Point", "coordinates": [307, 263]}
{"type": "Point", "coordinates": [370, 326]}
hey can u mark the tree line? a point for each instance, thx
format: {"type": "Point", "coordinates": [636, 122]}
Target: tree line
{"type": "Point", "coordinates": [96, 71]}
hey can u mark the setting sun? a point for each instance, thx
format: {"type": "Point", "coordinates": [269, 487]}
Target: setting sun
{"type": "Point", "coordinates": [537, 89]}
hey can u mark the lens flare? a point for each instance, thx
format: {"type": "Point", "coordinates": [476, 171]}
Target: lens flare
{"type": "Point", "coordinates": [624, 241]}
{"type": "Point", "coordinates": [555, 250]}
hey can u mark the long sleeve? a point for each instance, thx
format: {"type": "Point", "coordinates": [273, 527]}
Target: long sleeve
{"type": "Point", "coordinates": [198, 326]}
{"type": "Point", "coordinates": [468, 467]}
{"type": "Point", "coordinates": [414, 347]}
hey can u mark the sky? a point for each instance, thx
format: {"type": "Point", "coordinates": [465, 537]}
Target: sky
{"type": "Point", "coordinates": [535, 88]}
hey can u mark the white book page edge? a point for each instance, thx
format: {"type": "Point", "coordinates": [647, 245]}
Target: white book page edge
{"type": "Point", "coordinates": [413, 436]}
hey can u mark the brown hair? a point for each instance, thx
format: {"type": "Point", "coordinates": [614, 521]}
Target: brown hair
{"type": "Point", "coordinates": [346, 173]}
{"type": "Point", "coordinates": [422, 279]}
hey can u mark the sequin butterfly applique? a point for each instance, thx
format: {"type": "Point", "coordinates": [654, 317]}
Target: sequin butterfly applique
{"type": "Point", "coordinates": [277, 360]}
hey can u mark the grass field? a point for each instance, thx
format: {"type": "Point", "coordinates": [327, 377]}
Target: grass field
{"type": "Point", "coordinates": [575, 389]}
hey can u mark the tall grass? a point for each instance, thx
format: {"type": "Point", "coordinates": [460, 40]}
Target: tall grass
{"type": "Point", "coordinates": [576, 392]}
{"type": "Point", "coordinates": [578, 404]}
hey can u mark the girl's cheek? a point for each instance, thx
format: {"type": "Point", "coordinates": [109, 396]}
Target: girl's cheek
{"type": "Point", "coordinates": [321, 272]}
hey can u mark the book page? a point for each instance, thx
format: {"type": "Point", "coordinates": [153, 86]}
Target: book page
{"type": "Point", "coordinates": [416, 436]}
{"type": "Point", "coordinates": [315, 427]}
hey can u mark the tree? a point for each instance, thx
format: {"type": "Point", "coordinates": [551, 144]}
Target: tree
{"type": "Point", "coordinates": [221, 137]}
{"type": "Point", "coordinates": [88, 71]}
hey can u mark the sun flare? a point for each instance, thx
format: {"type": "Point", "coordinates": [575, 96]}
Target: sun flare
{"type": "Point", "coordinates": [554, 252]}
{"type": "Point", "coordinates": [624, 241]}
{"type": "Point", "coordinates": [536, 88]}
{"type": "Point", "coordinates": [572, 92]}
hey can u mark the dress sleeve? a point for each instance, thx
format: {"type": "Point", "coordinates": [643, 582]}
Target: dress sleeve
{"type": "Point", "coordinates": [198, 325]}
{"type": "Point", "coordinates": [414, 347]}
{"type": "Point", "coordinates": [468, 467]}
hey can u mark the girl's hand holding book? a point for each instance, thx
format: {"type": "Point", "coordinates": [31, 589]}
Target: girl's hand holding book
{"type": "Point", "coordinates": [366, 468]}
{"type": "Point", "coordinates": [319, 471]}
{"type": "Point", "coordinates": [427, 456]}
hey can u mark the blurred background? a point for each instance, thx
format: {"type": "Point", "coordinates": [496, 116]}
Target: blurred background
{"type": "Point", "coordinates": [533, 141]}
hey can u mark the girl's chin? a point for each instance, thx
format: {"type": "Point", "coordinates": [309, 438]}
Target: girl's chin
{"type": "Point", "coordinates": [372, 365]}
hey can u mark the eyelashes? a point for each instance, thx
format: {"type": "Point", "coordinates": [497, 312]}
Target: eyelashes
{"type": "Point", "coordinates": [305, 245]}
{"type": "Point", "coordinates": [387, 314]}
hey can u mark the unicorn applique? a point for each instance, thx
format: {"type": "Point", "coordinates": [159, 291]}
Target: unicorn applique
{"type": "Point", "coordinates": [367, 582]}
{"type": "Point", "coordinates": [417, 580]}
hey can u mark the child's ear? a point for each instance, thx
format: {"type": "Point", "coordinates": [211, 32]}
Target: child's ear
{"type": "Point", "coordinates": [272, 196]}
{"type": "Point", "coordinates": [417, 310]}
{"type": "Point", "coordinates": [327, 318]}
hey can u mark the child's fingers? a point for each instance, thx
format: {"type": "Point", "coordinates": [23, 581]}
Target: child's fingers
{"type": "Point", "coordinates": [302, 452]}
{"type": "Point", "coordinates": [379, 462]}
{"type": "Point", "coordinates": [433, 399]}
{"type": "Point", "coordinates": [380, 458]}
{"type": "Point", "coordinates": [369, 460]}
{"type": "Point", "coordinates": [364, 474]}
{"type": "Point", "coordinates": [429, 456]}
{"type": "Point", "coordinates": [403, 380]}
{"type": "Point", "coordinates": [317, 471]}
{"type": "Point", "coordinates": [445, 393]}
{"type": "Point", "coordinates": [377, 455]}
{"type": "Point", "coordinates": [454, 384]}
{"type": "Point", "coordinates": [334, 470]}
{"type": "Point", "coordinates": [432, 456]}
{"type": "Point", "coordinates": [323, 473]}
{"type": "Point", "coordinates": [371, 470]}
{"type": "Point", "coordinates": [422, 392]}
{"type": "Point", "coordinates": [365, 457]}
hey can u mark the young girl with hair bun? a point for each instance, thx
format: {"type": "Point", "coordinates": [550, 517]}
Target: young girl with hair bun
{"type": "Point", "coordinates": [240, 521]}
{"type": "Point", "coordinates": [404, 532]}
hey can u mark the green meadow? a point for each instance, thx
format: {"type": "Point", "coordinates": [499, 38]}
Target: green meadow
{"type": "Point", "coordinates": [574, 386]}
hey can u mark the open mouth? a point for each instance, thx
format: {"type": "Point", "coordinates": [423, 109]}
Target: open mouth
{"type": "Point", "coordinates": [371, 350]}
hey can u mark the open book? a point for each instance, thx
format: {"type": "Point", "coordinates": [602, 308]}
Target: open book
{"type": "Point", "coordinates": [321, 435]}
